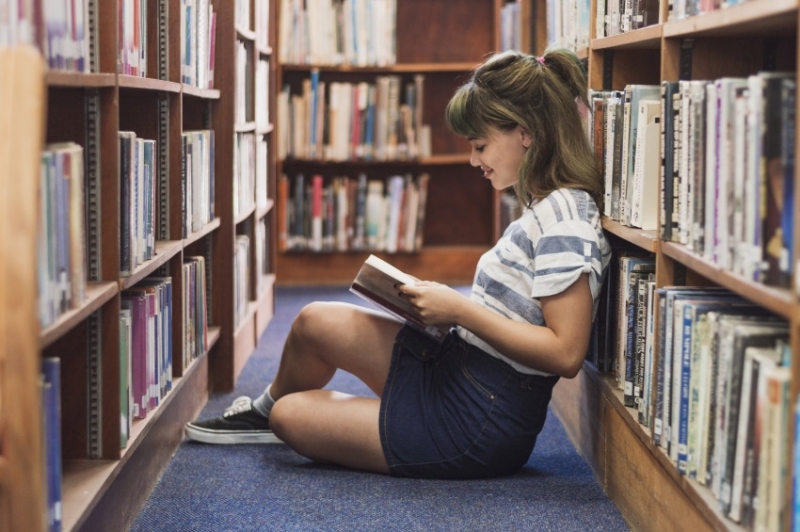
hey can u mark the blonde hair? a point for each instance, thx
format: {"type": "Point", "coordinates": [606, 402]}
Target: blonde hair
{"type": "Point", "coordinates": [541, 95]}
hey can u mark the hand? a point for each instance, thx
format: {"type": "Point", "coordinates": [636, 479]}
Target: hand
{"type": "Point", "coordinates": [436, 303]}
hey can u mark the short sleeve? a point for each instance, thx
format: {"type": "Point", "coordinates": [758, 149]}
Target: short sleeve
{"type": "Point", "coordinates": [566, 250]}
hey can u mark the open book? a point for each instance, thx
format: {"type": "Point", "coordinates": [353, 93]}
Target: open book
{"type": "Point", "coordinates": [376, 281]}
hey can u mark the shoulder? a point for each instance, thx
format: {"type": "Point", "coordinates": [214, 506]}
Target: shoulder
{"type": "Point", "coordinates": [565, 205]}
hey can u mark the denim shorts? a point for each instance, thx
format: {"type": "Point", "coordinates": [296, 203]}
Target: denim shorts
{"type": "Point", "coordinates": [452, 411]}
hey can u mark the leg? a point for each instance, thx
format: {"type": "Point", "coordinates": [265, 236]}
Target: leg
{"type": "Point", "coordinates": [331, 427]}
{"type": "Point", "coordinates": [330, 336]}
{"type": "Point", "coordinates": [324, 337]}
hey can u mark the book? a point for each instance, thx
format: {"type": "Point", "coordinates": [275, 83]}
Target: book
{"type": "Point", "coordinates": [375, 282]}
{"type": "Point", "coordinates": [51, 403]}
{"type": "Point", "coordinates": [644, 198]}
{"type": "Point", "coordinates": [667, 125]}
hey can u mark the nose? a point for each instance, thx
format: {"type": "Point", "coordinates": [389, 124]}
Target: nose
{"type": "Point", "coordinates": [473, 158]}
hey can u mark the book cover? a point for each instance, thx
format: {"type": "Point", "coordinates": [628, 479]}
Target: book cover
{"type": "Point", "coordinates": [376, 282]}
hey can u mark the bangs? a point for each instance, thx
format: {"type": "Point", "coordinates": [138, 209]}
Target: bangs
{"type": "Point", "coordinates": [462, 115]}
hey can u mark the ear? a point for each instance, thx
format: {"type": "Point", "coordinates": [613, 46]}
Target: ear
{"type": "Point", "coordinates": [525, 136]}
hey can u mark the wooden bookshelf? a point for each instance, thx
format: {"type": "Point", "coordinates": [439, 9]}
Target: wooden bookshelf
{"type": "Point", "coordinates": [636, 473]}
{"type": "Point", "coordinates": [235, 347]}
{"type": "Point", "coordinates": [462, 209]}
{"type": "Point", "coordinates": [104, 483]}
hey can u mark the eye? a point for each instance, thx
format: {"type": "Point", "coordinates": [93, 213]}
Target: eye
{"type": "Point", "coordinates": [479, 149]}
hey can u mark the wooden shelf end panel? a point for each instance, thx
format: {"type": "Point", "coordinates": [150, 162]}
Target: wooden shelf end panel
{"type": "Point", "coordinates": [244, 341]}
{"type": "Point", "coordinates": [265, 309]}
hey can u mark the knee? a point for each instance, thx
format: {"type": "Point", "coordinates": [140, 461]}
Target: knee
{"type": "Point", "coordinates": [285, 418]}
{"type": "Point", "coordinates": [307, 320]}
{"type": "Point", "coordinates": [313, 320]}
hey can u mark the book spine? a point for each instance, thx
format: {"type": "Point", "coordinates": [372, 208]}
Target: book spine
{"type": "Point", "coordinates": [51, 389]}
{"type": "Point", "coordinates": [658, 421]}
{"type": "Point", "coordinates": [686, 353]}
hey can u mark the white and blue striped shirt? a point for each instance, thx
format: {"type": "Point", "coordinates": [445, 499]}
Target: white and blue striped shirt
{"type": "Point", "coordinates": [541, 254]}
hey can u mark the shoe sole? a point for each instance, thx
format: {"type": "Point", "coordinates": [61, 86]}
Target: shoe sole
{"type": "Point", "coordinates": [229, 438]}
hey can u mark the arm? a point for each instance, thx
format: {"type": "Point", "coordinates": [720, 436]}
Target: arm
{"type": "Point", "coordinates": [558, 348]}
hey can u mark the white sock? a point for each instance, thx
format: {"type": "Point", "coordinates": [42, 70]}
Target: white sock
{"type": "Point", "coordinates": [263, 404]}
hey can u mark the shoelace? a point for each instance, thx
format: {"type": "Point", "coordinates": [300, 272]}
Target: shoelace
{"type": "Point", "coordinates": [240, 404]}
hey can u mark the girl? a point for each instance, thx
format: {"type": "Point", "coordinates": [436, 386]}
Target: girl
{"type": "Point", "coordinates": [473, 405]}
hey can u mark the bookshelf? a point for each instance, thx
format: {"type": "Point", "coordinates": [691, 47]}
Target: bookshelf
{"type": "Point", "coordinates": [635, 472]}
{"type": "Point", "coordinates": [104, 481]}
{"type": "Point", "coordinates": [462, 213]}
{"type": "Point", "coordinates": [255, 32]}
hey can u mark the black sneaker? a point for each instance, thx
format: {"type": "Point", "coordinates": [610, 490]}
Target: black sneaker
{"type": "Point", "coordinates": [239, 424]}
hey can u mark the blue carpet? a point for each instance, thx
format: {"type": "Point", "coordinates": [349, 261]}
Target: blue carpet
{"type": "Point", "coordinates": [269, 487]}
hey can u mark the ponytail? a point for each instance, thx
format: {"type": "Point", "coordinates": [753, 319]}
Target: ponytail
{"type": "Point", "coordinates": [540, 94]}
{"type": "Point", "coordinates": [569, 69]}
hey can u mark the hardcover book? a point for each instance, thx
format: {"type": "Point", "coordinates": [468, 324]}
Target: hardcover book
{"type": "Point", "coordinates": [376, 282]}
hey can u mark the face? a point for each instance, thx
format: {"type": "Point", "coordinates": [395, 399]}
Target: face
{"type": "Point", "coordinates": [499, 155]}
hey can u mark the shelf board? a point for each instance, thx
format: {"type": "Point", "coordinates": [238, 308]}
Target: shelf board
{"type": "Point", "coordinates": [398, 68]}
{"type": "Point", "coordinates": [213, 336]}
{"type": "Point", "coordinates": [433, 160]}
{"type": "Point", "coordinates": [446, 159]}
{"type": "Point", "coordinates": [245, 34]}
{"type": "Point", "coordinates": [62, 78]}
{"type": "Point", "coordinates": [777, 300]}
{"type": "Point", "coordinates": [648, 37]}
{"type": "Point", "coordinates": [647, 240]}
{"type": "Point", "coordinates": [246, 127]}
{"type": "Point", "coordinates": [266, 130]}
{"type": "Point", "coordinates": [749, 18]}
{"type": "Point", "coordinates": [165, 250]}
{"type": "Point", "coordinates": [136, 82]}
{"type": "Point", "coordinates": [97, 294]}
{"type": "Point", "coordinates": [260, 213]}
{"type": "Point", "coordinates": [264, 50]}
{"type": "Point", "coordinates": [197, 235]}
{"type": "Point", "coordinates": [582, 53]}
{"type": "Point", "coordinates": [615, 396]}
{"type": "Point", "coordinates": [453, 265]}
{"type": "Point", "coordinates": [86, 482]}
{"type": "Point", "coordinates": [244, 215]}
{"type": "Point", "coordinates": [207, 94]}
{"type": "Point", "coordinates": [697, 493]}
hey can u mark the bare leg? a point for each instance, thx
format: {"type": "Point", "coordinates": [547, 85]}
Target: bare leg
{"type": "Point", "coordinates": [330, 426]}
{"type": "Point", "coordinates": [330, 336]}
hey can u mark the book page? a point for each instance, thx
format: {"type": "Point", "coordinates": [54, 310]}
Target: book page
{"type": "Point", "coordinates": [376, 282]}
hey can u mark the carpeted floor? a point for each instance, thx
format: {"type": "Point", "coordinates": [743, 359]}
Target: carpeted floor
{"type": "Point", "coordinates": [269, 487]}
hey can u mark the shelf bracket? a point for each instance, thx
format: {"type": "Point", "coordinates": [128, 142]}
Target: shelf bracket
{"type": "Point", "coordinates": [93, 28]}
{"type": "Point", "coordinates": [608, 70]}
{"type": "Point", "coordinates": [163, 166]}
{"type": "Point", "coordinates": [163, 40]}
{"type": "Point", "coordinates": [686, 59]}
{"type": "Point", "coordinates": [94, 389]}
{"type": "Point", "coordinates": [92, 185]}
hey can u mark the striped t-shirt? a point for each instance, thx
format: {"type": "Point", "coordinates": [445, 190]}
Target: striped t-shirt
{"type": "Point", "coordinates": [541, 254]}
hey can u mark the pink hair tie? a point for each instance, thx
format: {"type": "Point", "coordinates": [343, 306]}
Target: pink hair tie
{"type": "Point", "coordinates": [541, 60]}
